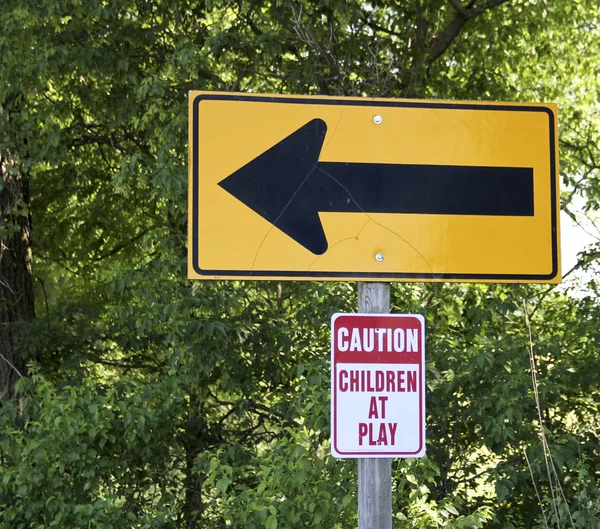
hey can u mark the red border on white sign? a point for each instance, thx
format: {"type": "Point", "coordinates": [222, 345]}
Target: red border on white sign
{"type": "Point", "coordinates": [377, 385]}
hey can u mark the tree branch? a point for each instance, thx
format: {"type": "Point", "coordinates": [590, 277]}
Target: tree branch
{"type": "Point", "coordinates": [461, 9]}
{"type": "Point", "coordinates": [11, 365]}
{"type": "Point", "coordinates": [441, 42]}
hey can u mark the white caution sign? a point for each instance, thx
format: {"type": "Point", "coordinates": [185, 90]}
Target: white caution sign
{"type": "Point", "coordinates": [377, 385]}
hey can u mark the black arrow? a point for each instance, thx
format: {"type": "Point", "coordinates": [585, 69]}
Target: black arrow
{"type": "Point", "coordinates": [288, 186]}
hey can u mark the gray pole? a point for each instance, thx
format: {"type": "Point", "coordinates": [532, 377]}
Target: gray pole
{"type": "Point", "coordinates": [375, 474]}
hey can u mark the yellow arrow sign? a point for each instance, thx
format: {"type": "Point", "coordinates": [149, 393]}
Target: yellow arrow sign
{"type": "Point", "coordinates": [319, 188]}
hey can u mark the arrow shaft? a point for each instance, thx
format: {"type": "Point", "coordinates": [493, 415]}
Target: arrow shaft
{"type": "Point", "coordinates": [426, 189]}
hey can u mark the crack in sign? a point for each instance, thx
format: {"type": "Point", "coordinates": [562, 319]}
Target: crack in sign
{"type": "Point", "coordinates": [371, 219]}
{"type": "Point", "coordinates": [273, 225]}
{"type": "Point", "coordinates": [323, 194]}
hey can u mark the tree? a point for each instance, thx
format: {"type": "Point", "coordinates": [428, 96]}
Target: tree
{"type": "Point", "coordinates": [16, 279]}
{"type": "Point", "coordinates": [158, 402]}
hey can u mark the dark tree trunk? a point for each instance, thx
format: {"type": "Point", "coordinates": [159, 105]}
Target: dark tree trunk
{"type": "Point", "coordinates": [192, 443]}
{"type": "Point", "coordinates": [16, 280]}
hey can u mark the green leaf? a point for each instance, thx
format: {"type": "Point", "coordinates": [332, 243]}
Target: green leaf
{"type": "Point", "coordinates": [271, 522]}
{"type": "Point", "coordinates": [451, 509]}
{"type": "Point", "coordinates": [222, 484]}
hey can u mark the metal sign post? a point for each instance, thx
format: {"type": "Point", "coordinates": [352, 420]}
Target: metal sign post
{"type": "Point", "coordinates": [374, 475]}
{"type": "Point", "coordinates": [377, 396]}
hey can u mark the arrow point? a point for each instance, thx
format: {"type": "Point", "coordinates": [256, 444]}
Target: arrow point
{"type": "Point", "coordinates": [272, 183]}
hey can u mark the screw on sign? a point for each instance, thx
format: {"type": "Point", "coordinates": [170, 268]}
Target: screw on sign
{"type": "Point", "coordinates": [378, 385]}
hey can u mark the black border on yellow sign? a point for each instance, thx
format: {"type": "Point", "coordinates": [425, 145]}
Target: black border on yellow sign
{"type": "Point", "coordinates": [392, 276]}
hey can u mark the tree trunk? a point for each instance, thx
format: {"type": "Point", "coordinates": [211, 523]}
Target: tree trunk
{"type": "Point", "coordinates": [16, 280]}
{"type": "Point", "coordinates": [193, 507]}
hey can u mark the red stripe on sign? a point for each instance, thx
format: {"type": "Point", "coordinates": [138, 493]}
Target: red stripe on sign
{"type": "Point", "coordinates": [377, 339]}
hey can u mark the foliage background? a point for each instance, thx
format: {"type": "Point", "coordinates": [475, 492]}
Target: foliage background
{"type": "Point", "coordinates": [146, 400]}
